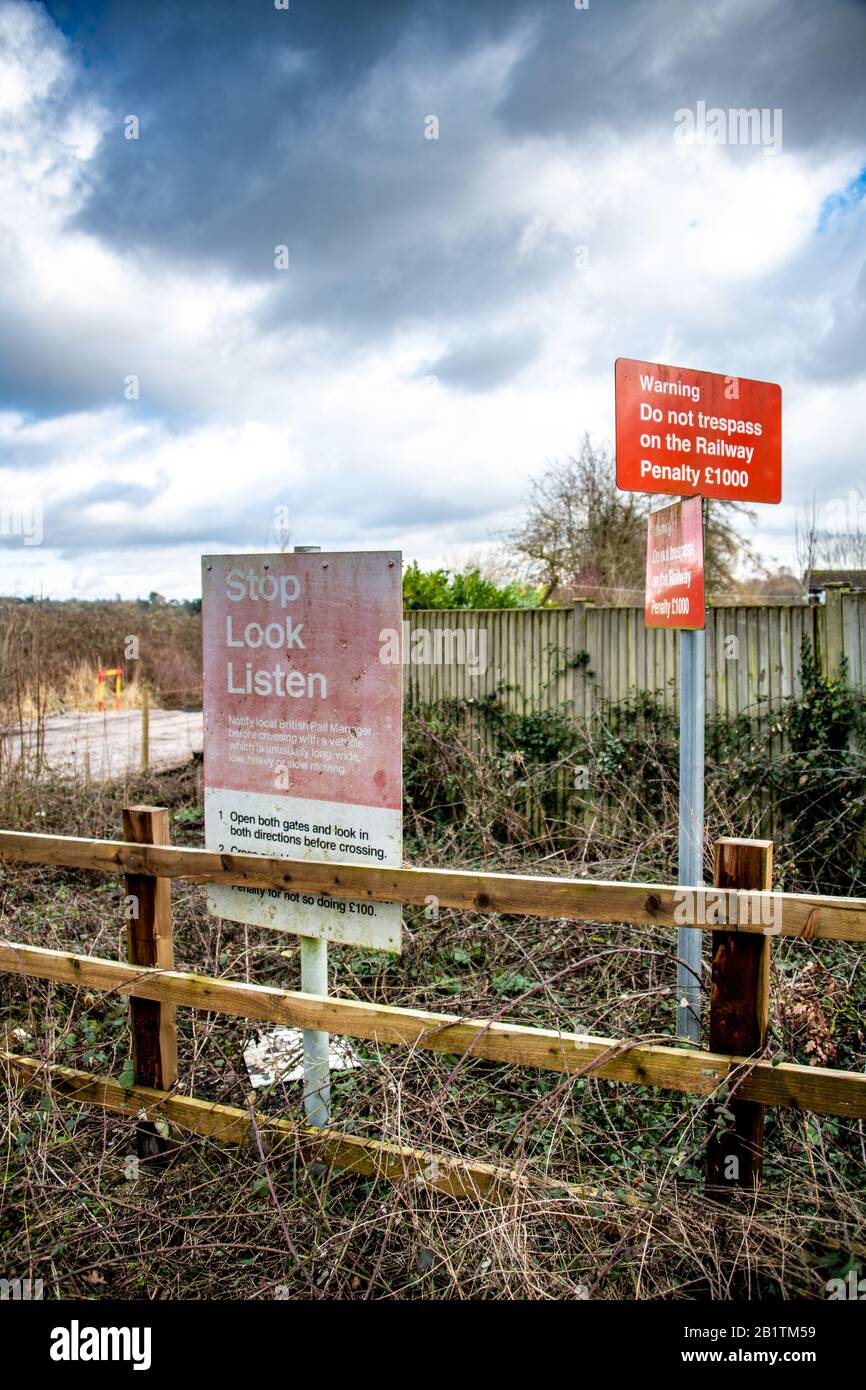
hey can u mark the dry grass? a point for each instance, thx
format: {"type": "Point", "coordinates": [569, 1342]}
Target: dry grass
{"type": "Point", "coordinates": [50, 654]}
{"type": "Point", "coordinates": [77, 690]}
{"type": "Point", "coordinates": [225, 1223]}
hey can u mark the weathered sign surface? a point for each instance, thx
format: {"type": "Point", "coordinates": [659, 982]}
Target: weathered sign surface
{"type": "Point", "coordinates": [675, 566]}
{"type": "Point", "coordinates": [303, 729]}
{"type": "Point", "coordinates": [687, 432]}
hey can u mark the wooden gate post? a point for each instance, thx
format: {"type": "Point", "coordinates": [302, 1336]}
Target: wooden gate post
{"type": "Point", "coordinates": [149, 941]}
{"type": "Point", "coordinates": [739, 1015]}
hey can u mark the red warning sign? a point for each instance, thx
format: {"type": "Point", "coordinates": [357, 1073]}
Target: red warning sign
{"type": "Point", "coordinates": [680, 431]}
{"type": "Point", "coordinates": [675, 566]}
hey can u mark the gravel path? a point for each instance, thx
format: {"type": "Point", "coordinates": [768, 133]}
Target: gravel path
{"type": "Point", "coordinates": [112, 740]}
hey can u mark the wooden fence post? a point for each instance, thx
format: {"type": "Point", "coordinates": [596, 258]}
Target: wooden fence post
{"type": "Point", "coordinates": [739, 1016]}
{"type": "Point", "coordinates": [149, 940]}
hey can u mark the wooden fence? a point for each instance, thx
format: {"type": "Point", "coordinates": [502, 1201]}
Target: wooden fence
{"type": "Point", "coordinates": [588, 656]}
{"type": "Point", "coordinates": [741, 914]}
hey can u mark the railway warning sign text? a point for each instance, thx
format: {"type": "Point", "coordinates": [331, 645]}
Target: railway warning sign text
{"type": "Point", "coordinates": [675, 566]}
{"type": "Point", "coordinates": [685, 432]}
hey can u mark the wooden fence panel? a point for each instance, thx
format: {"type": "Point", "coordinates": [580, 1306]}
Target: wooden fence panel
{"type": "Point", "coordinates": [531, 655]}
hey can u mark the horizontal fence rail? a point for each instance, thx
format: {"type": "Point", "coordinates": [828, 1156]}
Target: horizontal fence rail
{"type": "Point", "coordinates": [741, 918]}
{"type": "Point", "coordinates": [351, 1153]}
{"type": "Point", "coordinates": [692, 1070]}
{"type": "Point", "coordinates": [808, 915]}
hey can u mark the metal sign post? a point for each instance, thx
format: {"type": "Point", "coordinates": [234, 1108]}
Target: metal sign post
{"type": "Point", "coordinates": [317, 1046]}
{"type": "Point", "coordinates": [302, 747]}
{"type": "Point", "coordinates": [675, 599]}
{"type": "Point", "coordinates": [691, 860]}
{"type": "Point", "coordinates": [314, 980]}
{"type": "Point", "coordinates": [706, 435]}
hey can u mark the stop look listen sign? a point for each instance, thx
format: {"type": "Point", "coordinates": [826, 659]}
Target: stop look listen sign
{"type": "Point", "coordinates": [303, 730]}
{"type": "Point", "coordinates": [697, 433]}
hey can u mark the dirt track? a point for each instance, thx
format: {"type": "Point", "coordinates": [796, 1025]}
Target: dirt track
{"type": "Point", "coordinates": [112, 740]}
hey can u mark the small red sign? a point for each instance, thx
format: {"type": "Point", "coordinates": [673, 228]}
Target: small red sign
{"type": "Point", "coordinates": [675, 566]}
{"type": "Point", "coordinates": [686, 432]}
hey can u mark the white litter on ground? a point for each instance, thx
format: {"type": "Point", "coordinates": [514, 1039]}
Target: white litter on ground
{"type": "Point", "coordinates": [278, 1055]}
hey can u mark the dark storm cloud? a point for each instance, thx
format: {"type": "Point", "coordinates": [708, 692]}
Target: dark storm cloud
{"type": "Point", "coordinates": [629, 64]}
{"type": "Point", "coordinates": [483, 363]}
{"type": "Point", "coordinates": [260, 127]}
{"type": "Point", "coordinates": [263, 131]}
{"type": "Point", "coordinates": [251, 129]}
{"type": "Point", "coordinates": [53, 371]}
{"type": "Point", "coordinates": [306, 127]}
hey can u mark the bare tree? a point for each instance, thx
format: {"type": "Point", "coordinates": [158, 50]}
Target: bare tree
{"type": "Point", "coordinates": [584, 538]}
{"type": "Point", "coordinates": [841, 543]}
{"type": "Point", "coordinates": [806, 536]}
{"type": "Point", "coordinates": [580, 534]}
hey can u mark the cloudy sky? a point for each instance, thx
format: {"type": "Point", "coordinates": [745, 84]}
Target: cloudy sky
{"type": "Point", "coordinates": [451, 308]}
